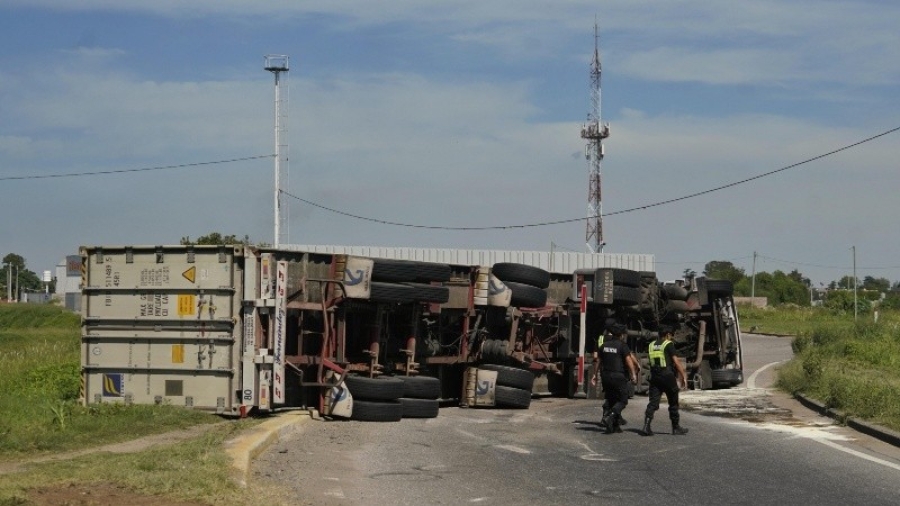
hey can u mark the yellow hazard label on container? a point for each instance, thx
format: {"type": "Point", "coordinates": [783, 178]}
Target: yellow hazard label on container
{"type": "Point", "coordinates": [190, 274]}
{"type": "Point", "coordinates": [177, 353]}
{"type": "Point", "coordinates": [187, 305]}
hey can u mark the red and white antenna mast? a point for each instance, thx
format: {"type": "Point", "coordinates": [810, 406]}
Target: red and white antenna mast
{"type": "Point", "coordinates": [594, 132]}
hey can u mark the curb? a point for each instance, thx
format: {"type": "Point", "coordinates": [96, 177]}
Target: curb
{"type": "Point", "coordinates": [878, 432]}
{"type": "Point", "coordinates": [246, 447]}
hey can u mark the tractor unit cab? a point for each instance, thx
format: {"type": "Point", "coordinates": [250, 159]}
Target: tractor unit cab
{"type": "Point", "coordinates": [701, 310]}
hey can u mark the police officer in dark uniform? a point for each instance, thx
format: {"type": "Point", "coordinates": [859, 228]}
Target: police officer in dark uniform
{"type": "Point", "coordinates": [667, 375]}
{"type": "Point", "coordinates": [615, 361]}
{"type": "Point", "coordinates": [603, 337]}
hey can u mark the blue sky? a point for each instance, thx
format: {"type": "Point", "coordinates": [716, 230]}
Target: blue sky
{"type": "Point", "coordinates": [458, 114]}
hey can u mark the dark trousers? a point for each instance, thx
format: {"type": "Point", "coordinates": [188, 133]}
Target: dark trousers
{"type": "Point", "coordinates": [615, 390]}
{"type": "Point", "coordinates": [663, 382]}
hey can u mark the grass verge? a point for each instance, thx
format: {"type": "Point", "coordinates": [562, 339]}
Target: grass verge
{"type": "Point", "coordinates": [851, 365]}
{"type": "Point", "coordinates": [40, 364]}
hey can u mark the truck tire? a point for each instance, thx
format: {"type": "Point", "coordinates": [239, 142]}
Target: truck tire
{"type": "Point", "coordinates": [511, 376]}
{"type": "Point", "coordinates": [372, 411]}
{"type": "Point", "coordinates": [391, 293]}
{"type": "Point", "coordinates": [727, 377]}
{"type": "Point", "coordinates": [374, 389]}
{"type": "Point", "coordinates": [526, 295]}
{"type": "Point", "coordinates": [397, 271]}
{"type": "Point", "coordinates": [509, 397]}
{"type": "Point", "coordinates": [521, 273]}
{"type": "Point", "coordinates": [430, 293]}
{"type": "Point", "coordinates": [624, 277]}
{"type": "Point", "coordinates": [420, 387]}
{"type": "Point", "coordinates": [719, 287]}
{"type": "Point", "coordinates": [419, 408]}
{"type": "Point", "coordinates": [626, 296]}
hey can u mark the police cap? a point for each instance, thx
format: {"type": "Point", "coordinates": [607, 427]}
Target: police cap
{"type": "Point", "coordinates": [617, 329]}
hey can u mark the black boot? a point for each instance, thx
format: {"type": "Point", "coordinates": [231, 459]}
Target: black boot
{"type": "Point", "coordinates": [678, 430]}
{"type": "Point", "coordinates": [611, 424]}
{"type": "Point", "coordinates": [605, 419]}
{"type": "Point", "coordinates": [647, 431]}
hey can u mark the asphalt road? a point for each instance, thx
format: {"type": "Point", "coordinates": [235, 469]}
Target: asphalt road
{"type": "Point", "coordinates": [746, 445]}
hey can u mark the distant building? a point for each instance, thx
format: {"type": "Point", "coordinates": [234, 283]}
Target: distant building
{"type": "Point", "coordinates": [68, 282]}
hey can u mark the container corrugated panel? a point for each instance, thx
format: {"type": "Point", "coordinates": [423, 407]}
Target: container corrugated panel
{"type": "Point", "coordinates": [556, 261]}
{"type": "Point", "coordinates": [159, 325]}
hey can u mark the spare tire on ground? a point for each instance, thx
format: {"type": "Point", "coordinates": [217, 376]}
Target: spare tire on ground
{"type": "Point", "coordinates": [419, 408]}
{"type": "Point", "coordinates": [376, 411]}
{"type": "Point", "coordinates": [511, 376]}
{"type": "Point", "coordinates": [509, 397]}
{"type": "Point", "coordinates": [374, 389]}
{"type": "Point", "coordinates": [420, 387]}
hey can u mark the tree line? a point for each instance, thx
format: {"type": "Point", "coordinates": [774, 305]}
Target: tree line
{"type": "Point", "coordinates": [795, 288]}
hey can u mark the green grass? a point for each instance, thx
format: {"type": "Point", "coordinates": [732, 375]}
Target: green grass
{"type": "Point", "coordinates": [194, 470]}
{"type": "Point", "coordinates": [40, 364]}
{"type": "Point", "coordinates": [851, 365]}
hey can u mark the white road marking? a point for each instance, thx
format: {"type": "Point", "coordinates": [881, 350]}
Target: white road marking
{"type": "Point", "coordinates": [335, 493]}
{"type": "Point", "coordinates": [859, 454]}
{"type": "Point", "coordinates": [824, 435]}
{"type": "Point", "coordinates": [512, 448]}
{"type": "Point", "coordinates": [751, 382]}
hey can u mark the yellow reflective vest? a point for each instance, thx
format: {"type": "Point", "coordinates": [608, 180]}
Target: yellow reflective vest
{"type": "Point", "coordinates": [658, 353]}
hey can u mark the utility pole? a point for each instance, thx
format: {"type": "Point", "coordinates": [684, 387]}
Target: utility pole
{"type": "Point", "coordinates": [594, 132]}
{"type": "Point", "coordinates": [753, 278]}
{"type": "Point", "coordinates": [855, 304]}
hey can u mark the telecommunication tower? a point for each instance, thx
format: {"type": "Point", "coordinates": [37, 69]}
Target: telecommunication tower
{"type": "Point", "coordinates": [278, 64]}
{"type": "Point", "coordinates": [594, 132]}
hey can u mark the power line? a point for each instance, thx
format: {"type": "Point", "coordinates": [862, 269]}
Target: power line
{"type": "Point", "coordinates": [144, 169]}
{"type": "Point", "coordinates": [623, 211]}
{"type": "Point", "coordinates": [837, 267]}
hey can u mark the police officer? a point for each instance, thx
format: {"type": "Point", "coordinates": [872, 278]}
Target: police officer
{"type": "Point", "coordinates": [603, 337]}
{"type": "Point", "coordinates": [615, 360]}
{"type": "Point", "coordinates": [666, 375]}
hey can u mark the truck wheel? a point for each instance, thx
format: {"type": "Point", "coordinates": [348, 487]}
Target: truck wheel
{"type": "Point", "coordinates": [430, 293]}
{"type": "Point", "coordinates": [370, 411]}
{"type": "Point", "coordinates": [374, 389]}
{"type": "Point", "coordinates": [511, 376]}
{"type": "Point", "coordinates": [719, 287]}
{"type": "Point", "coordinates": [509, 397]}
{"type": "Point", "coordinates": [391, 292]}
{"type": "Point", "coordinates": [392, 270]}
{"type": "Point", "coordinates": [521, 273]}
{"type": "Point", "coordinates": [526, 295]}
{"type": "Point", "coordinates": [624, 277]}
{"type": "Point", "coordinates": [419, 408]}
{"type": "Point", "coordinates": [420, 387]}
{"type": "Point", "coordinates": [727, 377]}
{"type": "Point", "coordinates": [626, 296]}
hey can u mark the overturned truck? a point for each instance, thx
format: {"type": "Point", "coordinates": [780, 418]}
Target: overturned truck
{"type": "Point", "coordinates": [237, 330]}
